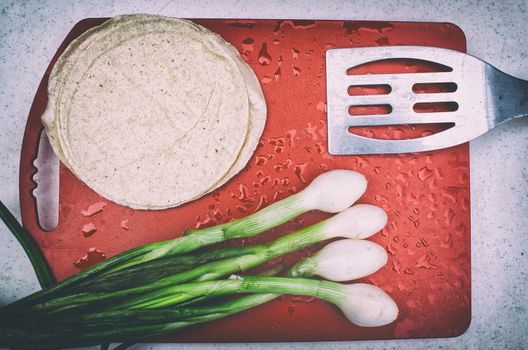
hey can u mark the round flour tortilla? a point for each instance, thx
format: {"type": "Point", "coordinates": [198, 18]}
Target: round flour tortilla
{"type": "Point", "coordinates": [152, 112]}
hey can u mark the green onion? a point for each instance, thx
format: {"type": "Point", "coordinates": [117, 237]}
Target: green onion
{"type": "Point", "coordinates": [331, 192]}
{"type": "Point", "coordinates": [79, 330]}
{"type": "Point", "coordinates": [342, 260]}
{"type": "Point", "coordinates": [363, 304]}
{"type": "Point", "coordinates": [161, 287]}
{"type": "Point", "coordinates": [153, 270]}
{"type": "Point", "coordinates": [357, 222]}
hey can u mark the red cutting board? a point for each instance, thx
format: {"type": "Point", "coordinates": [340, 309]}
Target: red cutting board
{"type": "Point", "coordinates": [426, 195]}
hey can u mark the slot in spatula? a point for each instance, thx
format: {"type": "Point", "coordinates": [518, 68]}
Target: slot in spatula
{"type": "Point", "coordinates": [485, 97]}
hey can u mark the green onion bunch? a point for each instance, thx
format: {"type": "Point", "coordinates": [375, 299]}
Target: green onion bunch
{"type": "Point", "coordinates": [166, 286]}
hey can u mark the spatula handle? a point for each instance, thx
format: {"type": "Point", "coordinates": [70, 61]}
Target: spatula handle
{"type": "Point", "coordinates": [508, 96]}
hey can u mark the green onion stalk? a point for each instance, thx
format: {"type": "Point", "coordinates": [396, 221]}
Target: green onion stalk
{"type": "Point", "coordinates": [330, 192]}
{"type": "Point", "coordinates": [363, 304]}
{"type": "Point", "coordinates": [357, 222]}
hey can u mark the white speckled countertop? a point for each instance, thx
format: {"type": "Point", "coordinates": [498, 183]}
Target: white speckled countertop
{"type": "Point", "coordinates": [31, 31]}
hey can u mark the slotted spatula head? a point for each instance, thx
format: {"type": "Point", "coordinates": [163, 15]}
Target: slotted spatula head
{"type": "Point", "coordinates": [484, 96]}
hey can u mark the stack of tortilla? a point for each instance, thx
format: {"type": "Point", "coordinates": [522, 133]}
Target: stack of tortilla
{"type": "Point", "coordinates": [152, 112]}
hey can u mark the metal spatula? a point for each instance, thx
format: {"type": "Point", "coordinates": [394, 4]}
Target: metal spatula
{"type": "Point", "coordinates": [485, 96]}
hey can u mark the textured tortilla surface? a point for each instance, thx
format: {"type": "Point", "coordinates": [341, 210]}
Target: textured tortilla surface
{"type": "Point", "coordinates": [152, 112]}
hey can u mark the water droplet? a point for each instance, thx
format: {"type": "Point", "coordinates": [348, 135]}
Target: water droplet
{"type": "Point", "coordinates": [295, 53]}
{"type": "Point", "coordinates": [262, 203]}
{"type": "Point", "coordinates": [248, 44]}
{"type": "Point", "coordinates": [243, 195]}
{"type": "Point", "coordinates": [423, 242]}
{"type": "Point", "coordinates": [276, 42]}
{"type": "Point", "coordinates": [290, 135]}
{"type": "Point", "coordinates": [402, 286]}
{"type": "Point", "coordinates": [312, 131]}
{"type": "Point", "coordinates": [45, 243]}
{"type": "Point", "coordinates": [463, 178]}
{"type": "Point", "coordinates": [277, 74]}
{"type": "Point", "coordinates": [391, 248]}
{"type": "Point", "coordinates": [382, 41]}
{"type": "Point", "coordinates": [265, 180]}
{"type": "Point", "coordinates": [426, 133]}
{"type": "Point", "coordinates": [424, 173]}
{"type": "Point", "coordinates": [424, 262]}
{"type": "Point", "coordinates": [373, 27]}
{"type": "Point", "coordinates": [217, 215]}
{"type": "Point", "coordinates": [92, 257]}
{"type": "Point", "coordinates": [381, 199]}
{"type": "Point", "coordinates": [241, 209]}
{"type": "Point", "coordinates": [302, 24]}
{"type": "Point", "coordinates": [261, 160]}
{"type": "Point", "coordinates": [264, 57]}
{"type": "Point", "coordinates": [415, 221]}
{"type": "Point", "coordinates": [278, 26]}
{"type": "Point", "coordinates": [465, 204]}
{"type": "Point", "coordinates": [207, 222]}
{"type": "Point", "coordinates": [300, 170]}
{"type": "Point", "coordinates": [447, 242]}
{"type": "Point", "coordinates": [361, 162]}
{"type": "Point", "coordinates": [396, 266]}
{"type": "Point", "coordinates": [281, 166]}
{"type": "Point", "coordinates": [296, 71]}
{"type": "Point", "coordinates": [438, 174]}
{"type": "Point", "coordinates": [94, 209]}
{"type": "Point", "coordinates": [124, 224]}
{"type": "Point", "coordinates": [449, 215]}
{"type": "Point", "coordinates": [321, 107]}
{"type": "Point", "coordinates": [265, 80]}
{"type": "Point", "coordinates": [88, 229]}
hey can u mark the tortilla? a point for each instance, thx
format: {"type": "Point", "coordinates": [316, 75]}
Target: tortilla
{"type": "Point", "coordinates": [257, 108]}
{"type": "Point", "coordinates": [152, 112]}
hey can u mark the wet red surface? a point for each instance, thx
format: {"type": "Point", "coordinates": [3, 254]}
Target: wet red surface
{"type": "Point", "coordinates": [426, 195]}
